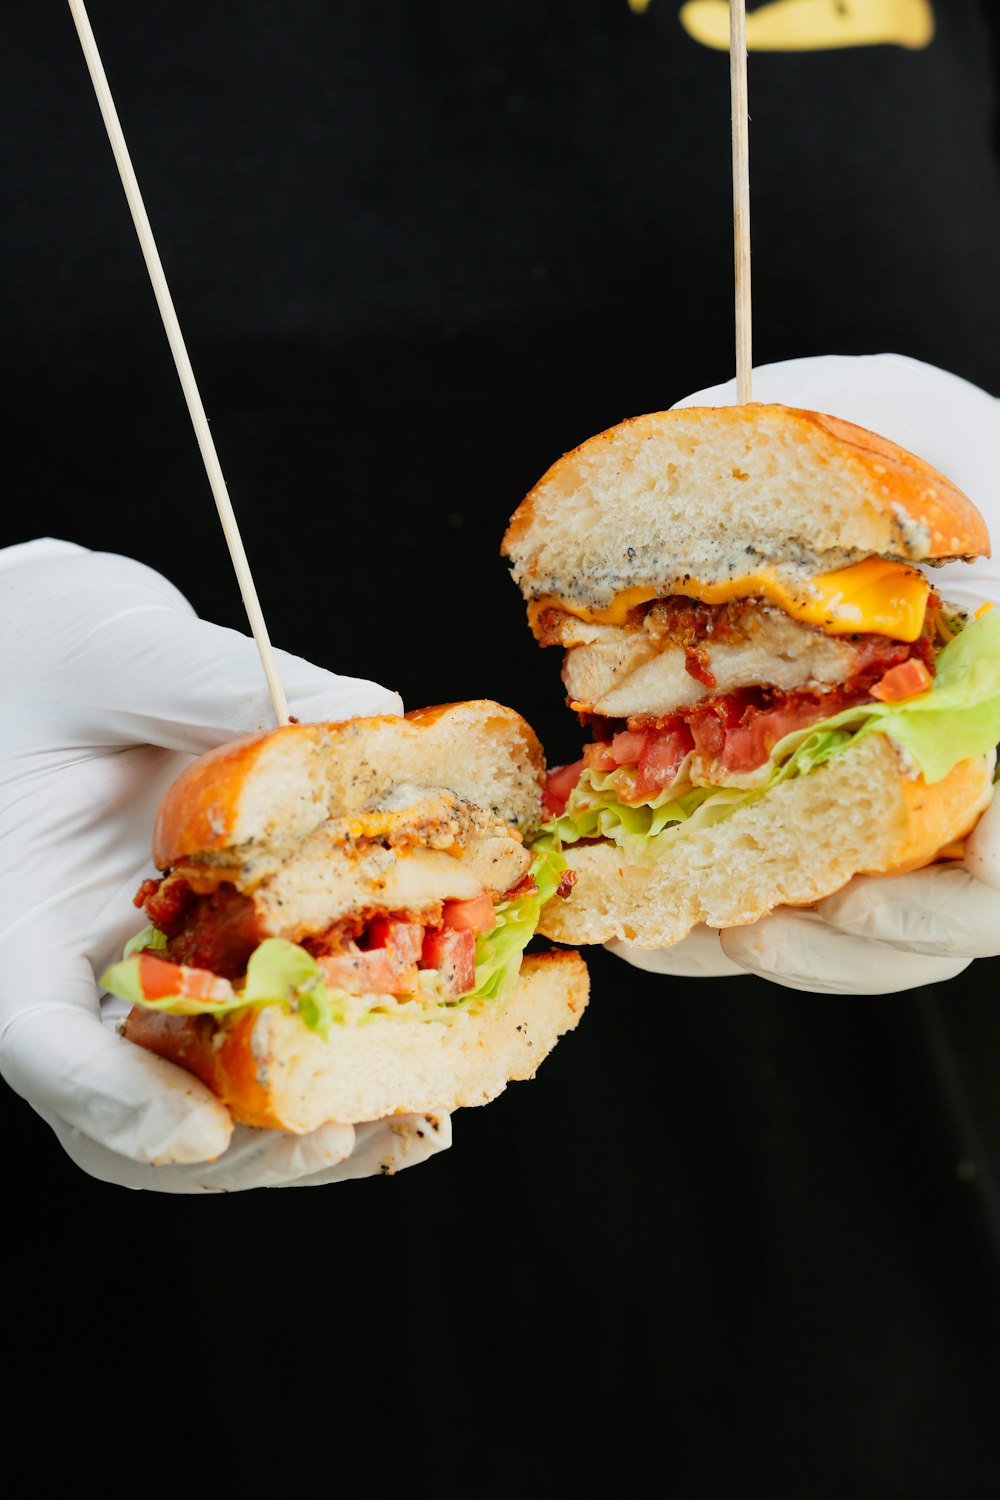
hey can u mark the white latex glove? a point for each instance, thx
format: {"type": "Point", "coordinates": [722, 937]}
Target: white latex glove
{"type": "Point", "coordinates": [879, 934]}
{"type": "Point", "coordinates": [108, 685]}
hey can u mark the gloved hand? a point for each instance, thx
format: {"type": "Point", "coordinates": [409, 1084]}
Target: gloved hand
{"type": "Point", "coordinates": [879, 933]}
{"type": "Point", "coordinates": [109, 684]}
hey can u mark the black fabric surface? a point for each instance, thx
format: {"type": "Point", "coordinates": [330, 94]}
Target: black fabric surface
{"type": "Point", "coordinates": [733, 1238]}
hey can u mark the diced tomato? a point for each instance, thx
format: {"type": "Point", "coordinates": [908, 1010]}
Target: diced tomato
{"type": "Point", "coordinates": [476, 915]}
{"type": "Point", "coordinates": [650, 759]}
{"type": "Point", "coordinates": [403, 940]}
{"type": "Point", "coordinates": [374, 972]}
{"type": "Point", "coordinates": [598, 758]}
{"type": "Point", "coordinates": [740, 750]}
{"type": "Point", "coordinates": [709, 733]}
{"type": "Point", "coordinates": [558, 784]}
{"type": "Point", "coordinates": [749, 744]}
{"type": "Point", "coordinates": [904, 681]}
{"type": "Point", "coordinates": [740, 729]}
{"type": "Point", "coordinates": [661, 760]}
{"type": "Point", "coordinates": [159, 979]}
{"type": "Point", "coordinates": [452, 951]}
{"type": "Point", "coordinates": [627, 746]}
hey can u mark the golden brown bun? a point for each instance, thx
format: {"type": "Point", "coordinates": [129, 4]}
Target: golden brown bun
{"type": "Point", "coordinates": [271, 1070]}
{"type": "Point", "coordinates": [803, 840]}
{"type": "Point", "coordinates": [273, 789]}
{"type": "Point", "coordinates": [688, 491]}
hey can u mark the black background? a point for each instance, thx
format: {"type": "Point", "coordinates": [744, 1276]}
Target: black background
{"type": "Point", "coordinates": [733, 1237]}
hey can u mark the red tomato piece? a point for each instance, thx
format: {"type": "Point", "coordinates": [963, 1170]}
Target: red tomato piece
{"type": "Point", "coordinates": [160, 979]}
{"type": "Point", "coordinates": [476, 915]}
{"type": "Point", "coordinates": [375, 972]}
{"type": "Point", "coordinates": [709, 733]}
{"type": "Point", "coordinates": [452, 951]}
{"type": "Point", "coordinates": [741, 750]}
{"type": "Point", "coordinates": [661, 760]}
{"type": "Point", "coordinates": [628, 745]}
{"type": "Point", "coordinates": [905, 681]}
{"type": "Point", "coordinates": [202, 984]}
{"type": "Point", "coordinates": [710, 720]}
{"type": "Point", "coordinates": [599, 757]}
{"type": "Point", "coordinates": [558, 784]}
{"type": "Point", "coordinates": [402, 940]}
{"type": "Point", "coordinates": [749, 745]}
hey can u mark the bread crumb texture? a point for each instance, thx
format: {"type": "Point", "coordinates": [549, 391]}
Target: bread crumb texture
{"type": "Point", "coordinates": [711, 491]}
{"type": "Point", "coordinates": [859, 814]}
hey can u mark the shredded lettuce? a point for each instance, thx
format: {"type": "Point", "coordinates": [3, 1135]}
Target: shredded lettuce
{"type": "Point", "coordinates": [283, 973]}
{"type": "Point", "coordinates": [959, 717]}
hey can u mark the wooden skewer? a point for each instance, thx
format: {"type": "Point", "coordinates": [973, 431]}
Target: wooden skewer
{"type": "Point", "coordinates": [741, 193]}
{"type": "Point", "coordinates": [179, 350]}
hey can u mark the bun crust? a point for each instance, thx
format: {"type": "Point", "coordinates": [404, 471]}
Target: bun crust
{"type": "Point", "coordinates": [271, 1070]}
{"type": "Point", "coordinates": [683, 491]}
{"type": "Point", "coordinates": [859, 814]}
{"type": "Point", "coordinates": [272, 789]}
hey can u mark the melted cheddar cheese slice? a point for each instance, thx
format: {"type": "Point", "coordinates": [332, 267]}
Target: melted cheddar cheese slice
{"type": "Point", "coordinates": [875, 596]}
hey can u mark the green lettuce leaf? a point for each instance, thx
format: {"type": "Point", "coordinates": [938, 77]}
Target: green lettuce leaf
{"type": "Point", "coordinates": [959, 717]}
{"type": "Point", "coordinates": [125, 980]}
{"type": "Point", "coordinates": [282, 973]}
{"type": "Point", "coordinates": [122, 979]}
{"type": "Point", "coordinates": [498, 953]}
{"type": "Point", "coordinates": [149, 937]}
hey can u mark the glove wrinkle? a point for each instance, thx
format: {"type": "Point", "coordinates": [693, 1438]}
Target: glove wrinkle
{"type": "Point", "coordinates": [385, 1147]}
{"type": "Point", "coordinates": [698, 956]}
{"type": "Point", "coordinates": [982, 849]}
{"type": "Point", "coordinates": [799, 950]}
{"type": "Point", "coordinates": [939, 912]}
{"type": "Point", "coordinates": [127, 1100]}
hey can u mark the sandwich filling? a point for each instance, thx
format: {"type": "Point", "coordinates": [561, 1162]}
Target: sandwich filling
{"type": "Point", "coordinates": [676, 653]}
{"type": "Point", "coordinates": [696, 707]}
{"type": "Point", "coordinates": [420, 905]}
{"type": "Point", "coordinates": [876, 594]}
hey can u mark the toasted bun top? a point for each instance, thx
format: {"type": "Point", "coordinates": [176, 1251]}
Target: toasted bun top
{"type": "Point", "coordinates": [705, 490]}
{"type": "Point", "coordinates": [274, 788]}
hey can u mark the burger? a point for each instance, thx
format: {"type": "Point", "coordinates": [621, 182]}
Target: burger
{"type": "Point", "coordinates": [338, 929]}
{"type": "Point", "coordinates": [774, 696]}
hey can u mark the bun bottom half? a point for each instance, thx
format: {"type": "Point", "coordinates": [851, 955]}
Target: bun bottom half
{"type": "Point", "coordinates": [859, 814]}
{"type": "Point", "coordinates": [271, 1070]}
